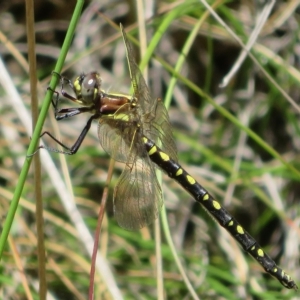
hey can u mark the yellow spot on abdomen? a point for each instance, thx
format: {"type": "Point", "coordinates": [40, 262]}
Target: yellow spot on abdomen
{"type": "Point", "coordinates": [164, 156]}
{"type": "Point", "coordinates": [240, 229]}
{"type": "Point", "coordinates": [260, 253]}
{"type": "Point", "coordinates": [145, 140]}
{"type": "Point", "coordinates": [179, 172]}
{"type": "Point", "coordinates": [205, 197]}
{"type": "Point", "coordinates": [216, 205]}
{"type": "Point", "coordinates": [152, 150]}
{"type": "Point", "coordinates": [190, 179]}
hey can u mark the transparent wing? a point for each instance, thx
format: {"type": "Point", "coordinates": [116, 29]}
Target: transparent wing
{"type": "Point", "coordinates": [118, 134]}
{"type": "Point", "coordinates": [137, 195]}
{"type": "Point", "coordinates": [139, 85]}
{"type": "Point", "coordinates": [159, 130]}
{"type": "Point", "coordinates": [154, 116]}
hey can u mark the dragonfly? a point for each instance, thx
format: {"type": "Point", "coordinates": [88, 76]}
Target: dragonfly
{"type": "Point", "coordinates": [135, 130]}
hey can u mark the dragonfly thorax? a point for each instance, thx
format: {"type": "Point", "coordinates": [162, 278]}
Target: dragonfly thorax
{"type": "Point", "coordinates": [112, 102]}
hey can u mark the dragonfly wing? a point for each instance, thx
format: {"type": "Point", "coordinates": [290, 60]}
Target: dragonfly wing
{"type": "Point", "coordinates": [159, 129]}
{"type": "Point", "coordinates": [116, 133]}
{"type": "Point", "coordinates": [137, 195]}
{"type": "Point", "coordinates": [155, 120]}
{"type": "Point", "coordinates": [139, 85]}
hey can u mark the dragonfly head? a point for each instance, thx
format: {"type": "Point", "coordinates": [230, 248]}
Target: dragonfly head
{"type": "Point", "coordinates": [87, 87]}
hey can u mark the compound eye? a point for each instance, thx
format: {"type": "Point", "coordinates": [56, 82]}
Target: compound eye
{"type": "Point", "coordinates": [90, 87]}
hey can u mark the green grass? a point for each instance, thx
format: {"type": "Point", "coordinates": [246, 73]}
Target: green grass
{"type": "Point", "coordinates": [240, 142]}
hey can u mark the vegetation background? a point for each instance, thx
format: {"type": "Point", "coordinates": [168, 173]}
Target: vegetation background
{"type": "Point", "coordinates": [255, 179]}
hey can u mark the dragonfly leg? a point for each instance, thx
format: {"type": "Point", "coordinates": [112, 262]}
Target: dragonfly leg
{"type": "Point", "coordinates": [73, 149]}
{"type": "Point", "coordinates": [65, 113]}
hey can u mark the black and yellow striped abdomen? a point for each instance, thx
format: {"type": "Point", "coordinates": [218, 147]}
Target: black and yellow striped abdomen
{"type": "Point", "coordinates": [220, 214]}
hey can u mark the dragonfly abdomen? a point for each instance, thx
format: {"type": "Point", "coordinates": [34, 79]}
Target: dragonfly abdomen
{"type": "Point", "coordinates": [219, 213]}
